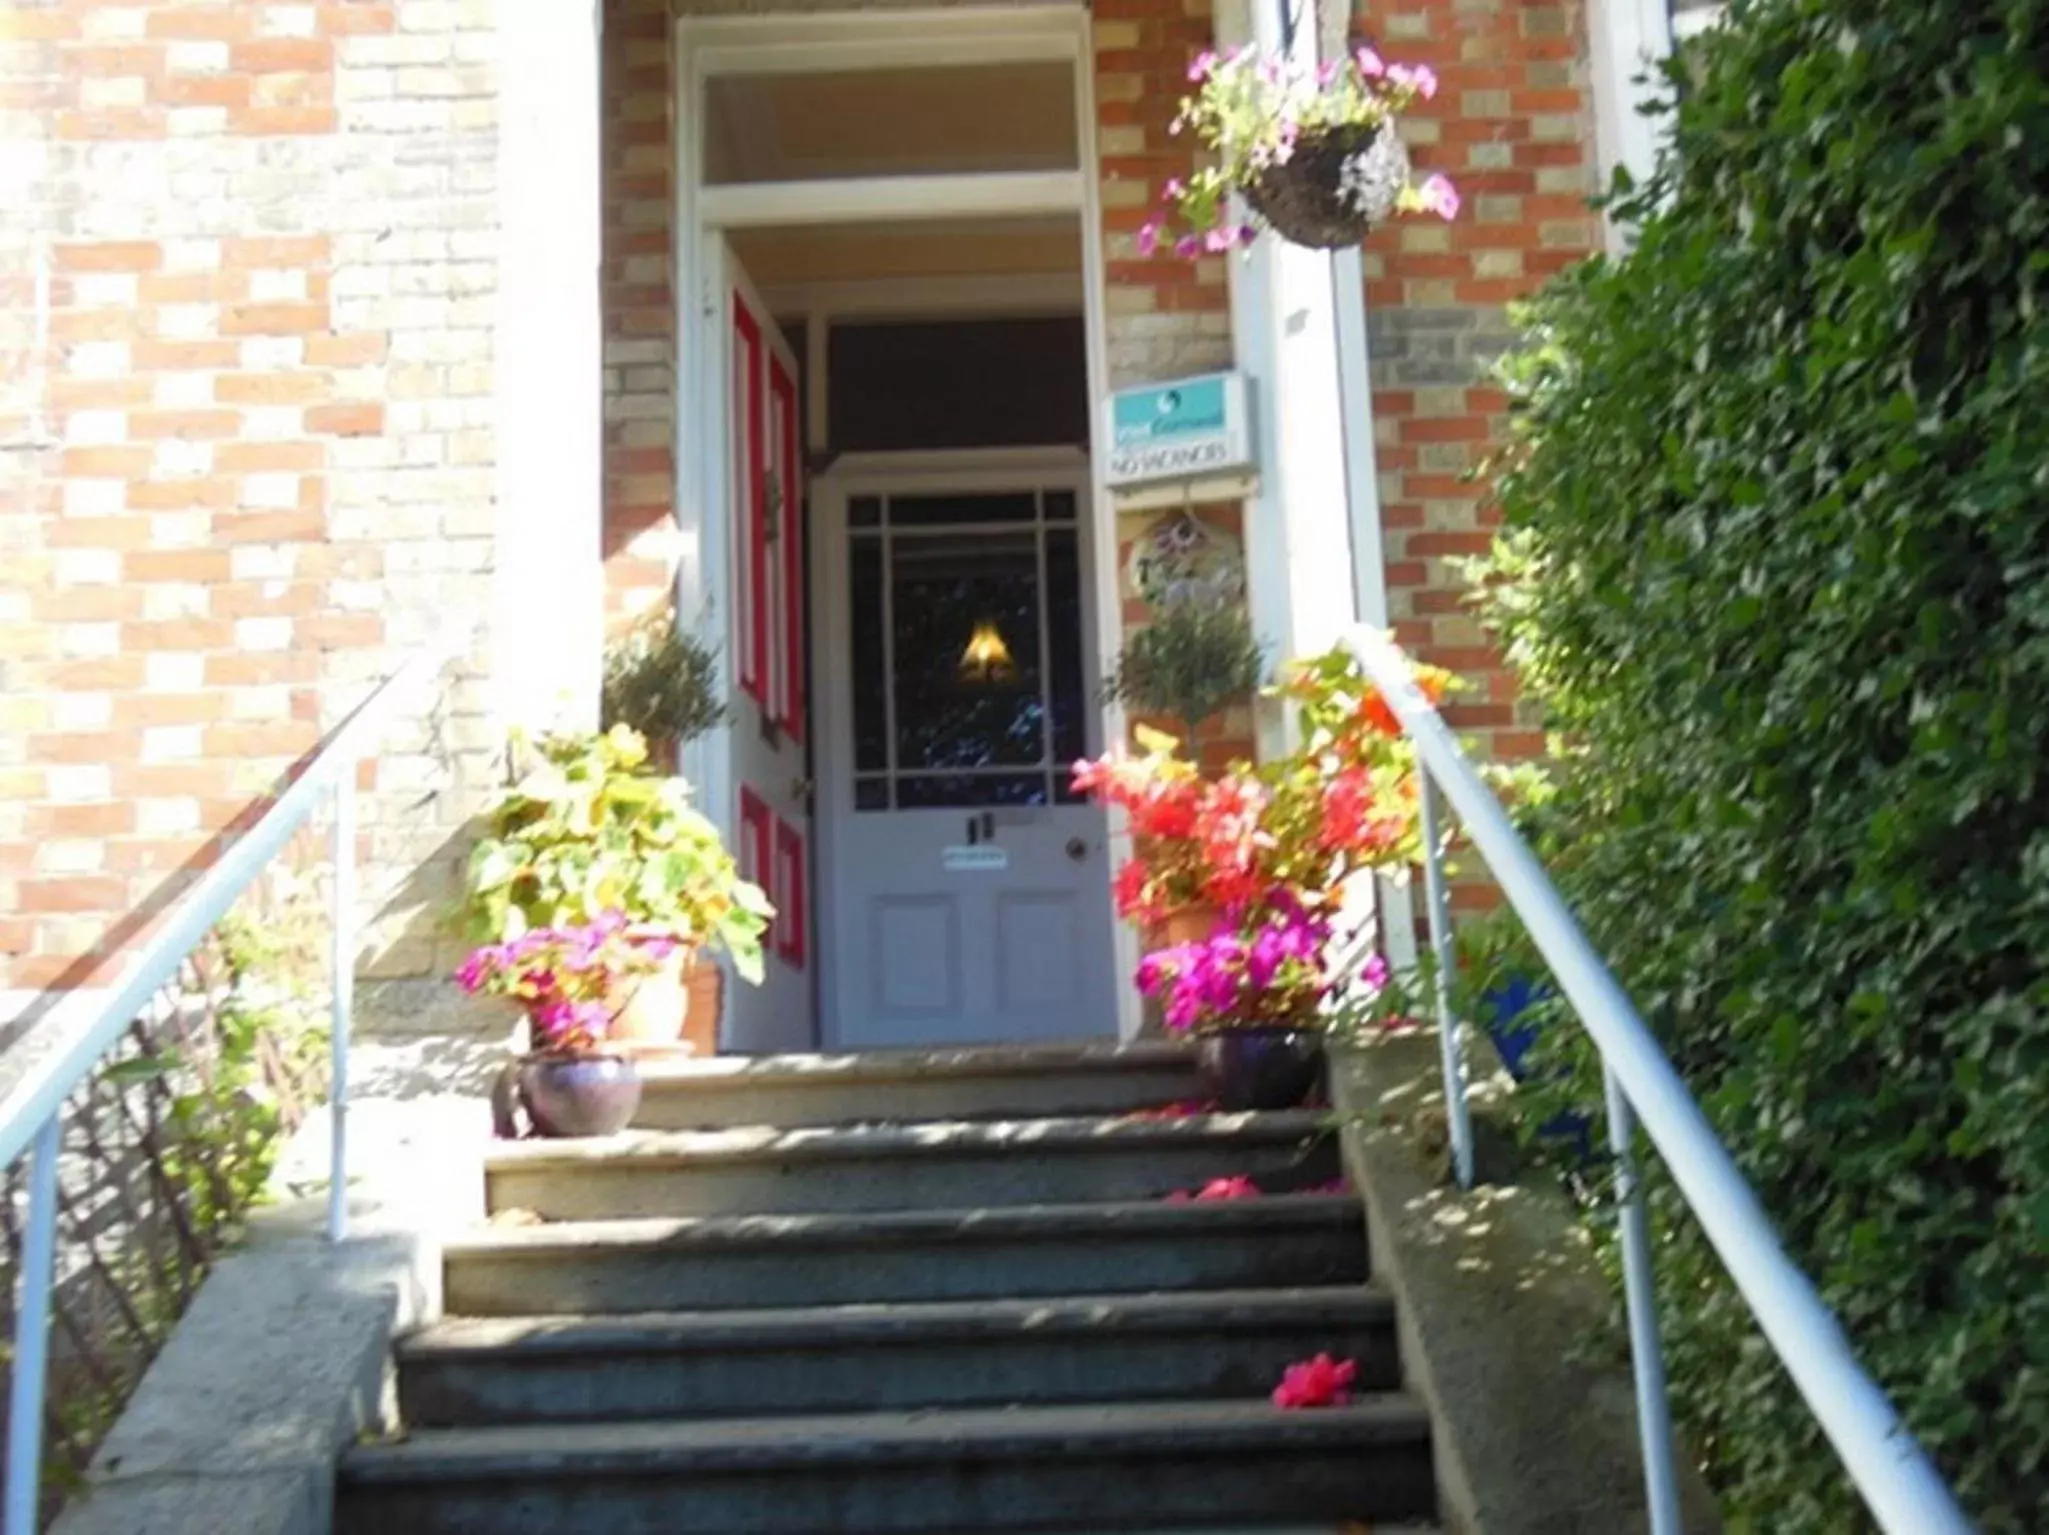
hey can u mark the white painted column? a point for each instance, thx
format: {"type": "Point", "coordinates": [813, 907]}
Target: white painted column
{"type": "Point", "coordinates": [547, 632]}
{"type": "Point", "coordinates": [1314, 561]}
{"type": "Point", "coordinates": [1625, 38]}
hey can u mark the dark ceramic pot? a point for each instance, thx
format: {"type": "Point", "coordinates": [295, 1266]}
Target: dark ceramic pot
{"type": "Point", "coordinates": [1261, 1068]}
{"type": "Point", "coordinates": [577, 1095]}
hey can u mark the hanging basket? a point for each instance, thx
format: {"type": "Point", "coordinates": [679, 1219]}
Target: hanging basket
{"type": "Point", "coordinates": [1335, 188]}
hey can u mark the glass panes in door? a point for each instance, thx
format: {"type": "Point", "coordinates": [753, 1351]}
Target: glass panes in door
{"type": "Point", "coordinates": [967, 649]}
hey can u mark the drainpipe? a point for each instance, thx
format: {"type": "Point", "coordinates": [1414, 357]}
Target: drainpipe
{"type": "Point", "coordinates": [1314, 563]}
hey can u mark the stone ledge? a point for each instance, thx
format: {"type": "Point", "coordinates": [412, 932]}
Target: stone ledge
{"type": "Point", "coordinates": [284, 1357]}
{"type": "Point", "coordinates": [1498, 1302]}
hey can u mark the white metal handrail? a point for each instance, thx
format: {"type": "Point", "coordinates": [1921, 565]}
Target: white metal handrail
{"type": "Point", "coordinates": [89, 1024]}
{"type": "Point", "coordinates": [1898, 1482]}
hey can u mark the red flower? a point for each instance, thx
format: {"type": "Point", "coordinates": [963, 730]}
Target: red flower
{"type": "Point", "coordinates": [1352, 822]}
{"type": "Point", "coordinates": [1319, 1382]}
{"type": "Point", "coordinates": [1134, 900]}
{"type": "Point", "coordinates": [1232, 839]}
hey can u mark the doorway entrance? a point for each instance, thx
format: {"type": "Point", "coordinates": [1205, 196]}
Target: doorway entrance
{"type": "Point", "coordinates": [969, 882]}
{"type": "Point", "coordinates": [900, 518]}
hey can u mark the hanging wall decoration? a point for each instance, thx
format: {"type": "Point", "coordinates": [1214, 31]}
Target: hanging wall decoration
{"type": "Point", "coordinates": [1180, 558]}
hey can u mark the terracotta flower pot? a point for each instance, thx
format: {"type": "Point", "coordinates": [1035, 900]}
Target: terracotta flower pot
{"type": "Point", "coordinates": [1187, 924]}
{"type": "Point", "coordinates": [705, 983]}
{"type": "Point", "coordinates": [1260, 1068]}
{"type": "Point", "coordinates": [578, 1095]}
{"type": "Point", "coordinates": [657, 1006]}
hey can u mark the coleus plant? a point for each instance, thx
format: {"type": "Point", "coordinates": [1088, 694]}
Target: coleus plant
{"type": "Point", "coordinates": [1253, 114]}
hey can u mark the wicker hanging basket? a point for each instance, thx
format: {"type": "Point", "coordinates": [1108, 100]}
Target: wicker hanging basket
{"type": "Point", "coordinates": [1310, 200]}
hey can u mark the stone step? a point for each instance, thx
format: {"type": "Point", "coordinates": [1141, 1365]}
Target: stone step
{"type": "Point", "coordinates": [1101, 1348]}
{"type": "Point", "coordinates": [944, 1165]}
{"type": "Point", "coordinates": [1129, 1467]}
{"type": "Point", "coordinates": [988, 1082]}
{"type": "Point", "coordinates": [727, 1262]}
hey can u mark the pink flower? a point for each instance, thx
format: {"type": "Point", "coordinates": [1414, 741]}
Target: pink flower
{"type": "Point", "coordinates": [1172, 191]}
{"type": "Point", "coordinates": [1148, 245]}
{"type": "Point", "coordinates": [1420, 78]}
{"type": "Point", "coordinates": [1221, 239]}
{"type": "Point", "coordinates": [1188, 247]}
{"type": "Point", "coordinates": [1319, 1382]}
{"type": "Point", "coordinates": [1369, 63]}
{"type": "Point", "coordinates": [1440, 196]}
{"type": "Point", "coordinates": [1203, 67]}
{"type": "Point", "coordinates": [1240, 1187]}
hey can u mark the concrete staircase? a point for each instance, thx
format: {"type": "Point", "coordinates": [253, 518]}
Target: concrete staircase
{"type": "Point", "coordinates": [905, 1292]}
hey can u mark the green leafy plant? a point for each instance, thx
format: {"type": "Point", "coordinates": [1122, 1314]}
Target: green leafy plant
{"type": "Point", "coordinates": [1776, 565]}
{"type": "Point", "coordinates": [587, 829]}
{"type": "Point", "coordinates": [662, 681]}
{"type": "Point", "coordinates": [1188, 665]}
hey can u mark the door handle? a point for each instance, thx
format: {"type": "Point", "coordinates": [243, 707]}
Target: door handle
{"type": "Point", "coordinates": [1077, 849]}
{"type": "Point", "coordinates": [974, 832]}
{"type": "Point", "coordinates": [988, 826]}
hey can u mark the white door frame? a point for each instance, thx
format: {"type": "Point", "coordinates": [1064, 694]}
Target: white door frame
{"type": "Point", "coordinates": [936, 472]}
{"type": "Point", "coordinates": [705, 47]}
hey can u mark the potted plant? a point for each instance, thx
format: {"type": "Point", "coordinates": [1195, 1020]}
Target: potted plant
{"type": "Point", "coordinates": [572, 982]}
{"type": "Point", "coordinates": [588, 829]}
{"type": "Point", "coordinates": [1190, 663]}
{"type": "Point", "coordinates": [663, 682]}
{"type": "Point", "coordinates": [1171, 885]}
{"type": "Point", "coordinates": [1272, 851]}
{"type": "Point", "coordinates": [1253, 994]}
{"type": "Point", "coordinates": [1314, 152]}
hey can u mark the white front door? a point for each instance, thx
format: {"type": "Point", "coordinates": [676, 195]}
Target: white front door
{"type": "Point", "coordinates": [764, 498]}
{"type": "Point", "coordinates": [967, 886]}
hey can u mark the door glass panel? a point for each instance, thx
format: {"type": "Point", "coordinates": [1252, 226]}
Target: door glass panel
{"type": "Point", "coordinates": [939, 791]}
{"type": "Point", "coordinates": [1068, 693]}
{"type": "Point", "coordinates": [934, 511]}
{"type": "Point", "coordinates": [871, 676]}
{"type": "Point", "coordinates": [969, 650]}
{"type": "Point", "coordinates": [965, 643]}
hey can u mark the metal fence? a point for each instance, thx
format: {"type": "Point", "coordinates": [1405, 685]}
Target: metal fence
{"type": "Point", "coordinates": [1892, 1472]}
{"type": "Point", "coordinates": [129, 1149]}
{"type": "Point", "coordinates": [163, 1147]}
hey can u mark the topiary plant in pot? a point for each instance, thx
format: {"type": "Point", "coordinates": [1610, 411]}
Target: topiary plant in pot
{"type": "Point", "coordinates": [1188, 665]}
{"type": "Point", "coordinates": [662, 681]}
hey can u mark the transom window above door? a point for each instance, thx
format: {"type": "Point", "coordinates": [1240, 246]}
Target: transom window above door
{"type": "Point", "coordinates": [967, 640]}
{"type": "Point", "coordinates": [826, 125]}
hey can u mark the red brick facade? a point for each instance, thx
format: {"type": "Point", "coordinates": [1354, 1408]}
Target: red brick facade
{"type": "Point", "coordinates": [245, 301]}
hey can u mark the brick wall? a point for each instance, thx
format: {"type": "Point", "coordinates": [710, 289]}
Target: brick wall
{"type": "Point", "coordinates": [247, 273]}
{"type": "Point", "coordinates": [1511, 125]}
{"type": "Point", "coordinates": [640, 311]}
{"type": "Point", "coordinates": [1165, 316]}
{"type": "Point", "coordinates": [264, 232]}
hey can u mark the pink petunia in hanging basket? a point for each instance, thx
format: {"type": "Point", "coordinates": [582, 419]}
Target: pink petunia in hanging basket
{"type": "Point", "coordinates": [1314, 154]}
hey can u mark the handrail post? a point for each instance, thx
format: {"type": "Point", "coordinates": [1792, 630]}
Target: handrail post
{"type": "Point", "coordinates": [342, 963]}
{"type": "Point", "coordinates": [32, 1334]}
{"type": "Point", "coordinates": [1639, 1288]}
{"type": "Point", "coordinates": [1458, 1116]}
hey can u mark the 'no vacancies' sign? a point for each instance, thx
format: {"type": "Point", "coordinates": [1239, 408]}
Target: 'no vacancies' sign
{"type": "Point", "coordinates": [1191, 429]}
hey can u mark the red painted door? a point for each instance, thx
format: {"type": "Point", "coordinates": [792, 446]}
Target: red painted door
{"type": "Point", "coordinates": [767, 632]}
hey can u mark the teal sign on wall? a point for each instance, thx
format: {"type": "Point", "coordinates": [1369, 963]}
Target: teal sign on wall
{"type": "Point", "coordinates": [1192, 428]}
